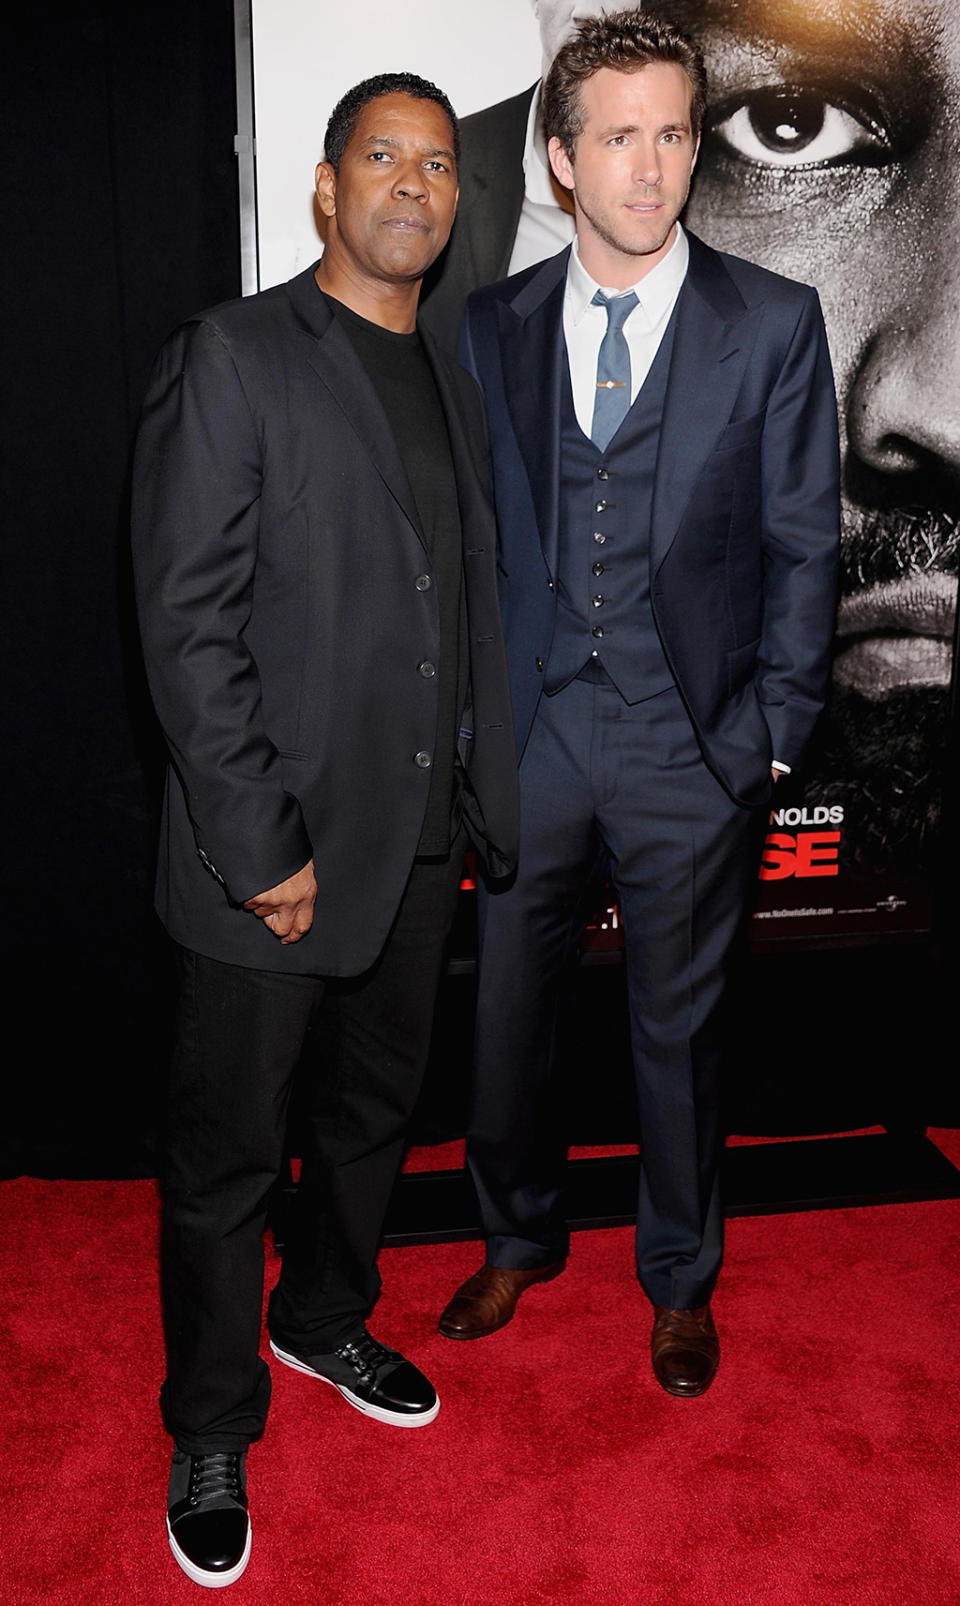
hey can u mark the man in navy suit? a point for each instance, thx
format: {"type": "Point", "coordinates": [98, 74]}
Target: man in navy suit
{"type": "Point", "coordinates": [664, 436]}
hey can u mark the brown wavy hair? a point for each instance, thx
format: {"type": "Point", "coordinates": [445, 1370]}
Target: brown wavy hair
{"type": "Point", "coordinates": [625, 41]}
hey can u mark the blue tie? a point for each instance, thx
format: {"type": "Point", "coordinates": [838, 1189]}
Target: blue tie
{"type": "Point", "coordinates": [613, 370]}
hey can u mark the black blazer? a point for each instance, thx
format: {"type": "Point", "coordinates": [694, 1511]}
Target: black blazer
{"type": "Point", "coordinates": [744, 536]}
{"type": "Point", "coordinates": [286, 601]}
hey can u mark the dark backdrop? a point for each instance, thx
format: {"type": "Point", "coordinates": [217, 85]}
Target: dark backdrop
{"type": "Point", "coordinates": [120, 205]}
{"type": "Point", "coordinates": [120, 199]}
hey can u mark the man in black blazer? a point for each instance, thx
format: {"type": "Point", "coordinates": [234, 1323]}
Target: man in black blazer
{"type": "Point", "coordinates": [314, 547]}
{"type": "Point", "coordinates": [664, 438]}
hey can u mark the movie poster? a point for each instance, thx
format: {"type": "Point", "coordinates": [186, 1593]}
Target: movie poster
{"type": "Point", "coordinates": [828, 155]}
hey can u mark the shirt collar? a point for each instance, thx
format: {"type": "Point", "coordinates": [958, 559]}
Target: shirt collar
{"type": "Point", "coordinates": [656, 291]}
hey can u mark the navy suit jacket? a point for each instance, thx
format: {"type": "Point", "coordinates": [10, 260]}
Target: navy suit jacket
{"type": "Point", "coordinates": [744, 534]}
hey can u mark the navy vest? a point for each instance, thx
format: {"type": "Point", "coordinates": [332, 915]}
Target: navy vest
{"type": "Point", "coordinates": [603, 567]}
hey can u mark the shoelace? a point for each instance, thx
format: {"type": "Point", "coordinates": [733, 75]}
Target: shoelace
{"type": "Point", "coordinates": [688, 1323]}
{"type": "Point", "coordinates": [367, 1354]}
{"type": "Point", "coordinates": [212, 1475]}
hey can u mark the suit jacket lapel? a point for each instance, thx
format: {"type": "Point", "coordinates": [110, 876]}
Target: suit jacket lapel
{"type": "Point", "coordinates": [534, 354]}
{"type": "Point", "coordinates": [714, 337]}
{"type": "Point", "coordinates": [712, 345]}
{"type": "Point", "coordinates": [495, 183]}
{"type": "Point", "coordinates": [335, 363]}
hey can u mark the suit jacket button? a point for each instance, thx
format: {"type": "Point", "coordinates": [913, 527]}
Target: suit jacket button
{"type": "Point", "coordinates": [539, 662]}
{"type": "Point", "coordinates": [427, 669]}
{"type": "Point", "coordinates": [423, 582]}
{"type": "Point", "coordinates": [422, 760]}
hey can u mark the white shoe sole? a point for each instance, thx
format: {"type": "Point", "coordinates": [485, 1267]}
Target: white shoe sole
{"type": "Point", "coordinates": [197, 1574]}
{"type": "Point", "coordinates": [392, 1418]}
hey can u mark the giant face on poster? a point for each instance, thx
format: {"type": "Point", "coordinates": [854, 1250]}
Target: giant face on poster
{"type": "Point", "coordinates": [828, 159]}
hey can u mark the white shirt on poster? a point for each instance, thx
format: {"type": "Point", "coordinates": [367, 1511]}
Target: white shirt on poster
{"type": "Point", "coordinates": [544, 227]}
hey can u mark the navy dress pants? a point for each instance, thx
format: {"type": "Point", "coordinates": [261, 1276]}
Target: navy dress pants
{"type": "Point", "coordinates": [605, 781]}
{"type": "Point", "coordinates": [359, 1048]}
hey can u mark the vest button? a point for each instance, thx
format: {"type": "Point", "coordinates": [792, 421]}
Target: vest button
{"type": "Point", "coordinates": [598, 601]}
{"type": "Point", "coordinates": [427, 669]}
{"type": "Point", "coordinates": [422, 760]}
{"type": "Point", "coordinates": [423, 582]}
{"type": "Point", "coordinates": [597, 568]}
{"type": "Point", "coordinates": [603, 473]}
{"type": "Point", "coordinates": [597, 630]}
{"type": "Point", "coordinates": [601, 506]}
{"type": "Point", "coordinates": [599, 537]}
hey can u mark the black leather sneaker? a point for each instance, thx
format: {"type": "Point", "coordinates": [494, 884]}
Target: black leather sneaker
{"type": "Point", "coordinates": [377, 1380]}
{"type": "Point", "coordinates": [207, 1520]}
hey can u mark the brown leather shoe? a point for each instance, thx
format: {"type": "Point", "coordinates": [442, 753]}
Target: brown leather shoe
{"type": "Point", "coordinates": [488, 1299]}
{"type": "Point", "coordinates": [685, 1350]}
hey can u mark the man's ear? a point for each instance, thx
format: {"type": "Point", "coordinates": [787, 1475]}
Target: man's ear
{"type": "Point", "coordinates": [325, 180]}
{"type": "Point", "coordinates": [561, 163]}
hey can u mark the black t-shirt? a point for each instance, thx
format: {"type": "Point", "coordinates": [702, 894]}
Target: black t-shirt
{"type": "Point", "coordinates": [398, 367]}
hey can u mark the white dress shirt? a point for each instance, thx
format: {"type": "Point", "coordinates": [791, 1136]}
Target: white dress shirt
{"type": "Point", "coordinates": [544, 227]}
{"type": "Point", "coordinates": [585, 325]}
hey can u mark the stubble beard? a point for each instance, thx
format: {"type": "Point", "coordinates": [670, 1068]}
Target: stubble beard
{"type": "Point", "coordinates": [887, 759]}
{"type": "Point", "coordinates": [886, 764]}
{"type": "Point", "coordinates": [602, 228]}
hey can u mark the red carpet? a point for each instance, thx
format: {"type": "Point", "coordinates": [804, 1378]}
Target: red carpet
{"type": "Point", "coordinates": [820, 1470]}
{"type": "Point", "coordinates": [451, 1156]}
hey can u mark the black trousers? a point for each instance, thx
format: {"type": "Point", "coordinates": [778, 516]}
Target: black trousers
{"type": "Point", "coordinates": [602, 781]}
{"type": "Point", "coordinates": [359, 1048]}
